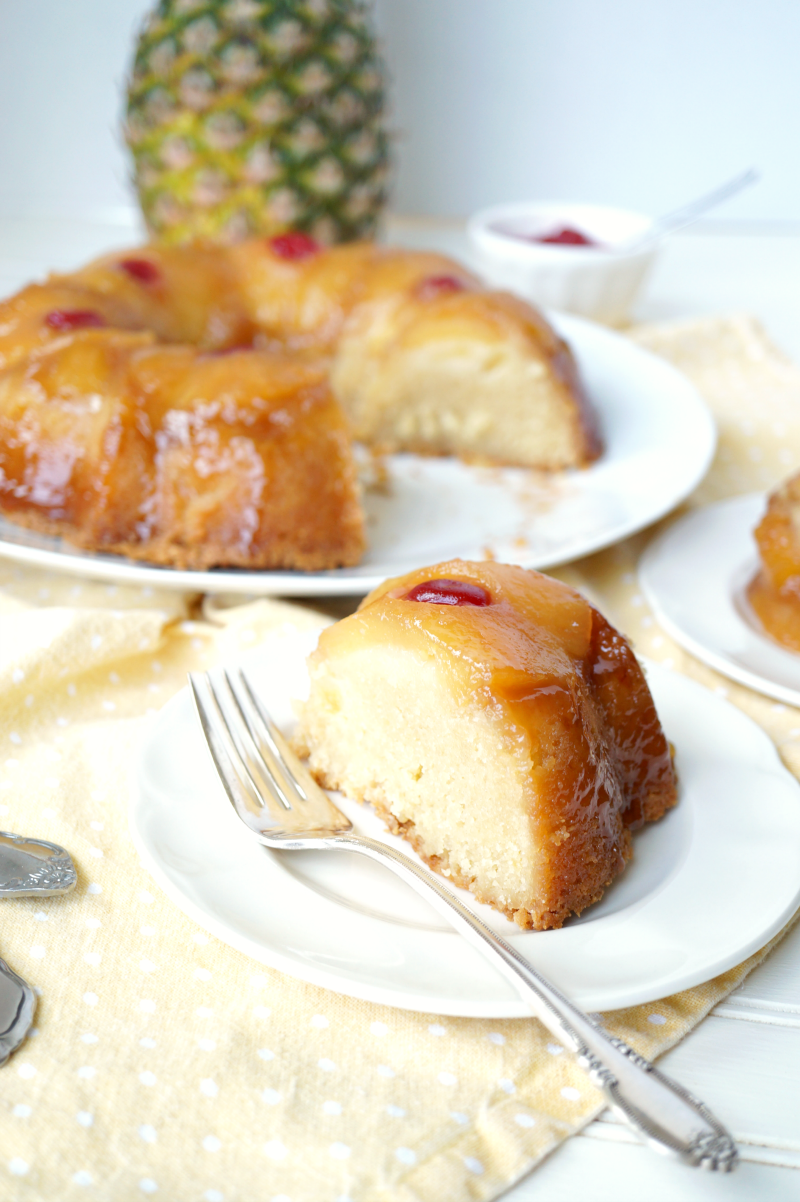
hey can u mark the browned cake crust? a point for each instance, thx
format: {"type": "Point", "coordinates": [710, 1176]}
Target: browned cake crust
{"type": "Point", "coordinates": [514, 744]}
{"type": "Point", "coordinates": [122, 430]}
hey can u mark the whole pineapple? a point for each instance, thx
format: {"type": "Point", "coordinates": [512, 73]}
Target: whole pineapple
{"type": "Point", "coordinates": [258, 116]}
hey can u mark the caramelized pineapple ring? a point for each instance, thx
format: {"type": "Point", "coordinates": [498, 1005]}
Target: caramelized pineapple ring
{"type": "Point", "coordinates": [775, 593]}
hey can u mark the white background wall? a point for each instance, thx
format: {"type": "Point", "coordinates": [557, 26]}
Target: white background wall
{"type": "Point", "coordinates": [637, 102]}
{"type": "Point", "coordinates": [641, 103]}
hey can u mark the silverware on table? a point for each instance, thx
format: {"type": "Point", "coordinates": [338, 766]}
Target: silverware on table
{"type": "Point", "coordinates": [17, 1006]}
{"type": "Point", "coordinates": [28, 867]}
{"type": "Point", "coordinates": [282, 806]}
{"type": "Point", "coordinates": [31, 867]}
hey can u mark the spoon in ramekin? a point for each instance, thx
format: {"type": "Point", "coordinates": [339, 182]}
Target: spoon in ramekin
{"type": "Point", "coordinates": [679, 218]}
{"type": "Point", "coordinates": [28, 868]}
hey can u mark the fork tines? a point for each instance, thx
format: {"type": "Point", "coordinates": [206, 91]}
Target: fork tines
{"type": "Point", "coordinates": [267, 785]}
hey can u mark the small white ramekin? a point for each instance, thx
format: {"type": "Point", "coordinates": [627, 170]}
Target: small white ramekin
{"type": "Point", "coordinates": [599, 282]}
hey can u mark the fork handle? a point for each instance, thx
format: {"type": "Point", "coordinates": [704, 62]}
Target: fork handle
{"type": "Point", "coordinates": [661, 1112]}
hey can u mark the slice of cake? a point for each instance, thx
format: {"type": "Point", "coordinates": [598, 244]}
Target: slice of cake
{"type": "Point", "coordinates": [774, 594]}
{"type": "Point", "coordinates": [497, 721]}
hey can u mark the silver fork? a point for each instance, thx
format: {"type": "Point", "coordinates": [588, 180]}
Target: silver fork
{"type": "Point", "coordinates": [282, 806]}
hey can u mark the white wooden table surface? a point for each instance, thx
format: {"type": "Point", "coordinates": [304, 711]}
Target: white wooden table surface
{"type": "Point", "coordinates": [744, 1059]}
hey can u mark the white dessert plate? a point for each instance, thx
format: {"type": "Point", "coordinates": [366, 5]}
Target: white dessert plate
{"type": "Point", "coordinates": [695, 577]}
{"type": "Point", "coordinates": [659, 439]}
{"type": "Point", "coordinates": [707, 886]}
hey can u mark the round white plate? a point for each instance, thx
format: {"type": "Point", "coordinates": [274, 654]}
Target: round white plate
{"type": "Point", "coordinates": [708, 885]}
{"type": "Point", "coordinates": [695, 576]}
{"type": "Point", "coordinates": [659, 439]}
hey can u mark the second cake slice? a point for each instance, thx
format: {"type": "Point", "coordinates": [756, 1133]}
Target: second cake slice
{"type": "Point", "coordinates": [496, 720]}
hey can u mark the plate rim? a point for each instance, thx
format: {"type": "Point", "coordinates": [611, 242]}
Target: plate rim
{"type": "Point", "coordinates": [361, 579]}
{"type": "Point", "coordinates": [768, 761]}
{"type": "Point", "coordinates": [714, 658]}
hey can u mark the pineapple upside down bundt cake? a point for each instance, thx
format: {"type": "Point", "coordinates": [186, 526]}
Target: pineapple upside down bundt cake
{"type": "Point", "coordinates": [194, 405]}
{"type": "Point", "coordinates": [496, 720]}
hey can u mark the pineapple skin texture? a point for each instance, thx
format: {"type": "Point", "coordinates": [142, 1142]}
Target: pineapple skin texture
{"type": "Point", "coordinates": [253, 117]}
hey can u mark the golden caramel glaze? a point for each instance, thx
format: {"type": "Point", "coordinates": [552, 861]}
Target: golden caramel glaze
{"type": "Point", "coordinates": [303, 304]}
{"type": "Point", "coordinates": [534, 643]}
{"type": "Point", "coordinates": [180, 457]}
{"type": "Point", "coordinates": [774, 593]}
{"type": "Point", "coordinates": [192, 298]}
{"type": "Point", "coordinates": [25, 333]}
{"type": "Point", "coordinates": [574, 701]}
{"type": "Point", "coordinates": [778, 534]}
{"type": "Point", "coordinates": [190, 295]}
{"type": "Point", "coordinates": [777, 609]}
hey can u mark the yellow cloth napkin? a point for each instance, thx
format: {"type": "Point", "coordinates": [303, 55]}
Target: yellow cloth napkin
{"type": "Point", "coordinates": [165, 1063]}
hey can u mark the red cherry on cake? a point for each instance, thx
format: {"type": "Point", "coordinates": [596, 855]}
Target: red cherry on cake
{"type": "Point", "coordinates": [439, 285]}
{"type": "Point", "coordinates": [141, 269]}
{"type": "Point", "coordinates": [295, 245]}
{"type": "Point", "coordinates": [73, 319]}
{"type": "Point", "coordinates": [449, 592]}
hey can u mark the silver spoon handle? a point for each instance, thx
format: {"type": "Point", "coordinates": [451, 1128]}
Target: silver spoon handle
{"type": "Point", "coordinates": [661, 1112]}
{"type": "Point", "coordinates": [17, 1006]}
{"type": "Point", "coordinates": [688, 213]}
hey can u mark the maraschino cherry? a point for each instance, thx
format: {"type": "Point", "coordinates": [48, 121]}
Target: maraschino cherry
{"type": "Point", "coordinates": [141, 269]}
{"type": "Point", "coordinates": [567, 235]}
{"type": "Point", "coordinates": [449, 592]}
{"type": "Point", "coordinates": [294, 245]}
{"type": "Point", "coordinates": [439, 285]}
{"type": "Point", "coordinates": [73, 319]}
